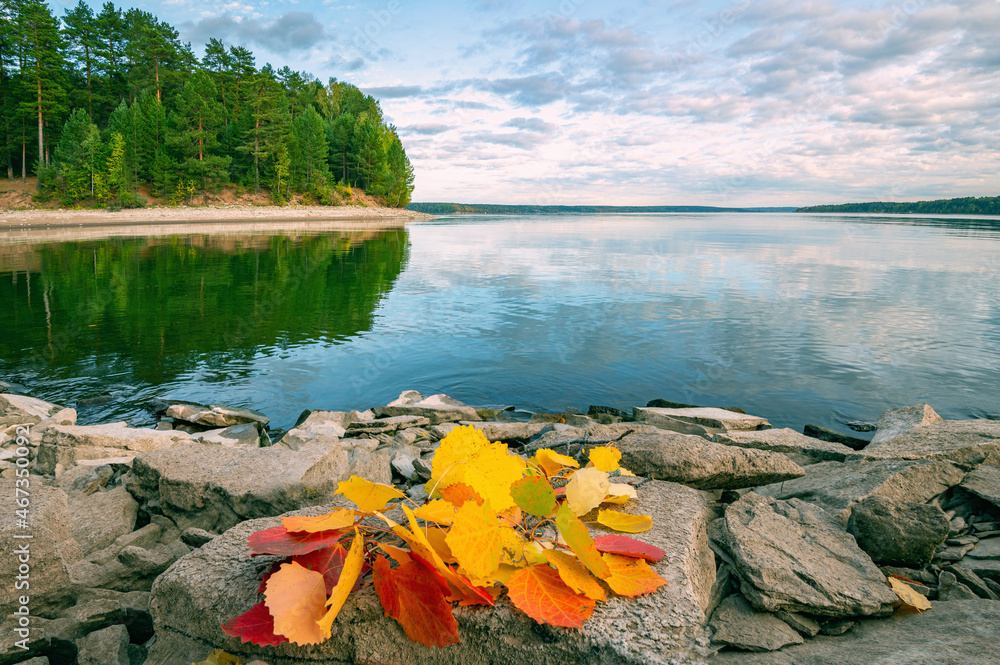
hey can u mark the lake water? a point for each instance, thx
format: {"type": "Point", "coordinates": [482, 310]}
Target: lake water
{"type": "Point", "coordinates": [799, 318]}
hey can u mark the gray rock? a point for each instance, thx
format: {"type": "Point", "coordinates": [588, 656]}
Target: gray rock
{"type": "Point", "coordinates": [833, 436]}
{"type": "Point", "coordinates": [898, 532]}
{"type": "Point", "coordinates": [984, 482]}
{"type": "Point", "coordinates": [437, 408]}
{"type": "Point", "coordinates": [786, 441]}
{"type": "Point", "coordinates": [100, 518]}
{"type": "Point", "coordinates": [146, 536]}
{"type": "Point", "coordinates": [985, 549]}
{"type": "Point", "coordinates": [215, 488]}
{"type": "Point", "coordinates": [800, 622]}
{"type": "Point", "coordinates": [698, 463]}
{"type": "Point", "coordinates": [894, 422]}
{"type": "Point", "coordinates": [836, 627]}
{"type": "Point", "coordinates": [196, 537]}
{"type": "Point", "coordinates": [738, 625]}
{"type": "Point", "coordinates": [213, 415]}
{"type": "Point", "coordinates": [218, 582]}
{"type": "Point", "coordinates": [964, 442]}
{"type": "Point", "coordinates": [65, 445]}
{"type": "Point", "coordinates": [319, 426]}
{"type": "Point", "coordinates": [793, 556]}
{"type": "Point", "coordinates": [956, 591]}
{"type": "Point", "coordinates": [246, 434]}
{"type": "Point", "coordinates": [20, 409]}
{"type": "Point", "coordinates": [707, 417]}
{"type": "Point", "coordinates": [508, 432]}
{"type": "Point", "coordinates": [104, 647]}
{"type": "Point", "coordinates": [386, 425]}
{"type": "Point", "coordinates": [837, 486]}
{"type": "Point", "coordinates": [973, 581]}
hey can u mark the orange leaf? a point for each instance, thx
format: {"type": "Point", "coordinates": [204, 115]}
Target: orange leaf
{"type": "Point", "coordinates": [422, 610]}
{"type": "Point", "coordinates": [458, 494]}
{"type": "Point", "coordinates": [398, 554]}
{"type": "Point", "coordinates": [436, 537]}
{"type": "Point", "coordinates": [575, 575]}
{"type": "Point", "coordinates": [534, 495]}
{"type": "Point", "coordinates": [348, 576]}
{"type": "Point", "coordinates": [552, 462]}
{"type": "Point", "coordinates": [385, 586]}
{"type": "Point", "coordinates": [296, 598]}
{"type": "Point", "coordinates": [338, 519]}
{"type": "Point", "coordinates": [631, 577]}
{"type": "Point", "coordinates": [539, 592]}
{"type": "Point", "coordinates": [575, 533]}
{"type": "Point", "coordinates": [624, 521]}
{"type": "Point", "coordinates": [366, 495]}
{"type": "Point", "coordinates": [475, 540]}
{"type": "Point", "coordinates": [437, 511]}
{"type": "Point", "coordinates": [605, 458]}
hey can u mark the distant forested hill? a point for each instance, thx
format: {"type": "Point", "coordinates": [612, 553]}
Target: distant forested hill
{"type": "Point", "coordinates": [986, 205]}
{"type": "Point", "coordinates": [495, 209]}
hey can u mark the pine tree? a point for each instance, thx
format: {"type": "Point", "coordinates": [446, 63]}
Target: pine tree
{"type": "Point", "coordinates": [311, 152]}
{"type": "Point", "coordinates": [44, 66]}
{"type": "Point", "coordinates": [81, 34]}
{"type": "Point", "coordinates": [110, 51]}
{"type": "Point", "coordinates": [268, 135]}
{"type": "Point", "coordinates": [78, 156]}
{"type": "Point", "coordinates": [196, 122]}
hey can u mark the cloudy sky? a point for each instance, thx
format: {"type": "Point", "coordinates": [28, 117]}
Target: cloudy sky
{"type": "Point", "coordinates": [745, 102]}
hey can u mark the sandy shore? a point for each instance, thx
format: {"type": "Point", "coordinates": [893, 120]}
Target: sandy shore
{"type": "Point", "coordinates": [35, 219]}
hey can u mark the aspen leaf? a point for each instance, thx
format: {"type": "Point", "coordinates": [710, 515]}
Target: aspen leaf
{"type": "Point", "coordinates": [575, 533]}
{"type": "Point", "coordinates": [575, 576]}
{"type": "Point", "coordinates": [534, 553]}
{"type": "Point", "coordinates": [329, 562]}
{"type": "Point", "coordinates": [626, 546]}
{"type": "Point", "coordinates": [631, 577]}
{"type": "Point", "coordinates": [256, 626]}
{"type": "Point", "coordinates": [366, 495]}
{"type": "Point", "coordinates": [586, 490]}
{"type": "Point", "coordinates": [348, 576]}
{"type": "Point", "coordinates": [910, 598]}
{"type": "Point", "coordinates": [398, 554]}
{"type": "Point", "coordinates": [539, 592]}
{"type": "Point", "coordinates": [512, 552]}
{"type": "Point", "coordinates": [625, 490]}
{"type": "Point", "coordinates": [616, 500]}
{"type": "Point", "coordinates": [458, 494]}
{"type": "Point", "coordinates": [534, 496]}
{"type": "Point", "coordinates": [385, 586]}
{"type": "Point", "coordinates": [625, 472]}
{"type": "Point", "coordinates": [436, 537]}
{"type": "Point", "coordinates": [418, 605]}
{"type": "Point", "coordinates": [552, 462]}
{"type": "Point", "coordinates": [624, 521]}
{"type": "Point", "coordinates": [605, 458]}
{"type": "Point", "coordinates": [467, 456]}
{"type": "Point", "coordinates": [278, 541]}
{"type": "Point", "coordinates": [437, 511]}
{"type": "Point", "coordinates": [474, 540]}
{"type": "Point", "coordinates": [338, 519]}
{"type": "Point", "coordinates": [296, 598]}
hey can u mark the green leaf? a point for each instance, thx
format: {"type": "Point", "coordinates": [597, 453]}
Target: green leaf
{"type": "Point", "coordinates": [534, 495]}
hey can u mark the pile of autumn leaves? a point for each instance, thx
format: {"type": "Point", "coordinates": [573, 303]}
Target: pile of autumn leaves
{"type": "Point", "coordinates": [494, 521]}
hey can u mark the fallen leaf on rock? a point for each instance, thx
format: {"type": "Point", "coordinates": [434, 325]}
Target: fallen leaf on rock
{"type": "Point", "coordinates": [220, 657]}
{"type": "Point", "coordinates": [534, 495]}
{"type": "Point", "coordinates": [474, 540]}
{"type": "Point", "coordinates": [575, 533]}
{"type": "Point", "coordinates": [341, 518]}
{"type": "Point", "coordinates": [512, 552]}
{"type": "Point", "coordinates": [586, 490]}
{"type": "Point", "coordinates": [278, 541]}
{"type": "Point", "coordinates": [467, 456]}
{"type": "Point", "coordinates": [296, 598]}
{"type": "Point", "coordinates": [605, 458]}
{"type": "Point", "coordinates": [328, 562]}
{"type": "Point", "coordinates": [366, 495]}
{"type": "Point", "coordinates": [909, 598]}
{"type": "Point", "coordinates": [631, 577]}
{"type": "Point", "coordinates": [256, 626]}
{"type": "Point", "coordinates": [624, 521]}
{"type": "Point", "coordinates": [626, 546]}
{"type": "Point", "coordinates": [552, 462]}
{"type": "Point", "coordinates": [438, 511]}
{"type": "Point", "coordinates": [539, 592]}
{"type": "Point", "coordinates": [576, 577]}
{"type": "Point", "coordinates": [410, 595]}
{"type": "Point", "coordinates": [348, 577]}
{"type": "Point", "coordinates": [458, 494]}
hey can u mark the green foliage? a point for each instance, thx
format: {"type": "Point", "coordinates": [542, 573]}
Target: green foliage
{"type": "Point", "coordinates": [985, 205]}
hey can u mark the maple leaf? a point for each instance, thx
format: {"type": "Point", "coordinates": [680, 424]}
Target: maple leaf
{"type": "Point", "coordinates": [575, 533]}
{"type": "Point", "coordinates": [458, 494]}
{"type": "Point", "coordinates": [586, 490]}
{"type": "Point", "coordinates": [539, 592]}
{"type": "Point", "coordinates": [605, 458]}
{"type": "Point", "coordinates": [910, 599]}
{"type": "Point", "coordinates": [626, 546]}
{"type": "Point", "coordinates": [534, 495]}
{"type": "Point", "coordinates": [410, 595]}
{"type": "Point", "coordinates": [467, 456]}
{"type": "Point", "coordinates": [574, 575]}
{"type": "Point", "coordinates": [624, 521]}
{"type": "Point", "coordinates": [366, 495]}
{"type": "Point", "coordinates": [333, 521]}
{"type": "Point", "coordinates": [552, 462]}
{"type": "Point", "coordinates": [296, 598]}
{"type": "Point", "coordinates": [631, 577]}
{"type": "Point", "coordinates": [438, 511]}
{"type": "Point", "coordinates": [348, 577]}
{"type": "Point", "coordinates": [256, 625]}
{"type": "Point", "coordinates": [278, 541]}
{"type": "Point", "coordinates": [474, 540]}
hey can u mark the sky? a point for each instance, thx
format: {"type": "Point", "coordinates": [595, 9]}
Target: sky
{"type": "Point", "coordinates": [654, 102]}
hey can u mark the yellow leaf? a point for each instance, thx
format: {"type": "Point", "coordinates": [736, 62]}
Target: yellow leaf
{"type": "Point", "coordinates": [348, 576]}
{"type": "Point", "coordinates": [552, 462]}
{"type": "Point", "coordinates": [338, 519]}
{"type": "Point", "coordinates": [474, 539]}
{"type": "Point", "coordinates": [220, 657]}
{"type": "Point", "coordinates": [575, 534]}
{"type": "Point", "coordinates": [605, 458]}
{"type": "Point", "coordinates": [586, 490]}
{"type": "Point", "coordinates": [296, 598]}
{"type": "Point", "coordinates": [910, 598]}
{"type": "Point", "coordinates": [437, 511]}
{"type": "Point", "coordinates": [534, 553]}
{"type": "Point", "coordinates": [512, 552]}
{"type": "Point", "coordinates": [398, 554]}
{"type": "Point", "coordinates": [624, 522]}
{"type": "Point", "coordinates": [616, 500]}
{"type": "Point", "coordinates": [625, 472]}
{"type": "Point", "coordinates": [436, 537]}
{"type": "Point", "coordinates": [366, 495]}
{"type": "Point", "coordinates": [574, 575]}
{"type": "Point", "coordinates": [504, 573]}
{"type": "Point", "coordinates": [622, 489]}
{"type": "Point", "coordinates": [467, 456]}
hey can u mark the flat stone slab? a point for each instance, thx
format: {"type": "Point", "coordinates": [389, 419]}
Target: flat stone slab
{"type": "Point", "coordinates": [786, 440]}
{"type": "Point", "coordinates": [711, 417]}
{"type": "Point", "coordinates": [837, 486]}
{"type": "Point", "coordinates": [437, 408]}
{"type": "Point", "coordinates": [693, 461]}
{"type": "Point", "coordinates": [214, 415]}
{"type": "Point", "coordinates": [984, 482]}
{"type": "Point", "coordinates": [950, 633]}
{"type": "Point", "coordinates": [386, 425]}
{"type": "Point", "coordinates": [736, 624]}
{"type": "Point", "coordinates": [319, 426]}
{"type": "Point", "coordinates": [24, 409]}
{"type": "Point", "coordinates": [964, 442]}
{"type": "Point", "coordinates": [65, 444]}
{"type": "Point", "coordinates": [212, 585]}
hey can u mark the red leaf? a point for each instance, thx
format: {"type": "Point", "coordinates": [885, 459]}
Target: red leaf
{"type": "Point", "coordinates": [626, 546]}
{"type": "Point", "coordinates": [328, 561]}
{"type": "Point", "coordinates": [423, 612]}
{"type": "Point", "coordinates": [267, 576]}
{"type": "Point", "coordinates": [539, 592]}
{"type": "Point", "coordinates": [385, 587]}
{"type": "Point", "coordinates": [256, 625]}
{"type": "Point", "coordinates": [277, 540]}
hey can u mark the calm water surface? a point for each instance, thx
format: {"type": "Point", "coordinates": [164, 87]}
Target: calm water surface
{"type": "Point", "coordinates": [799, 318]}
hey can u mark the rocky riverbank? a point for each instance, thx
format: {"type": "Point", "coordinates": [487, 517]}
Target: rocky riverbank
{"type": "Point", "coordinates": [778, 545]}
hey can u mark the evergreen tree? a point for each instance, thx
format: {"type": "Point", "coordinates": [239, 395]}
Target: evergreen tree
{"type": "Point", "coordinates": [310, 151]}
{"type": "Point", "coordinates": [196, 122]}
{"type": "Point", "coordinates": [110, 51]}
{"type": "Point", "coordinates": [79, 156]}
{"type": "Point", "coordinates": [43, 68]}
{"type": "Point", "coordinates": [267, 138]}
{"type": "Point", "coordinates": [82, 38]}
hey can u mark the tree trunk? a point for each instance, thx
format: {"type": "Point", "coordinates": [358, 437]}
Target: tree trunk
{"type": "Point", "coordinates": [90, 95]}
{"type": "Point", "coordinates": [38, 78]}
{"type": "Point", "coordinates": [156, 67]}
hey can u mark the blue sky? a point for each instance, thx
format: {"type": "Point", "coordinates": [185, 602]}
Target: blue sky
{"type": "Point", "coordinates": [751, 102]}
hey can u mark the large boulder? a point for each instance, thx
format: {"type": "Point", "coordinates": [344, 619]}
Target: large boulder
{"type": "Point", "coordinates": [218, 582]}
{"type": "Point", "coordinates": [964, 442]}
{"type": "Point", "coordinates": [895, 422]}
{"type": "Point", "coordinates": [108, 646]}
{"type": "Point", "coordinates": [323, 427]}
{"type": "Point", "coordinates": [64, 445]}
{"type": "Point", "coordinates": [792, 556]}
{"type": "Point", "coordinates": [950, 633]}
{"type": "Point", "coordinates": [693, 461]}
{"type": "Point", "coordinates": [837, 486]}
{"type": "Point", "coordinates": [710, 418]}
{"type": "Point", "coordinates": [787, 441]}
{"type": "Point", "coordinates": [215, 488]}
{"type": "Point", "coordinates": [213, 415]}
{"type": "Point", "coordinates": [984, 482]}
{"type": "Point", "coordinates": [437, 408]}
{"type": "Point", "coordinates": [100, 518]}
{"type": "Point", "coordinates": [899, 533]}
{"type": "Point", "coordinates": [20, 409]}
